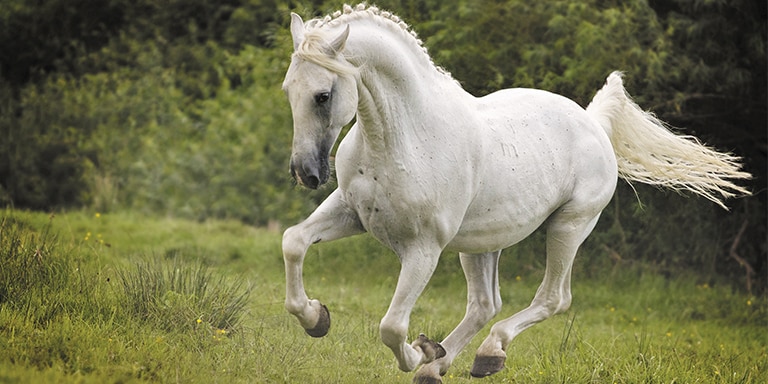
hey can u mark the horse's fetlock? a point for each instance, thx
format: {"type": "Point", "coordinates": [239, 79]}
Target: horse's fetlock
{"type": "Point", "coordinates": [295, 307]}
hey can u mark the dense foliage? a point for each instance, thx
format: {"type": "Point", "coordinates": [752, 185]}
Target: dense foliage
{"type": "Point", "coordinates": [175, 108]}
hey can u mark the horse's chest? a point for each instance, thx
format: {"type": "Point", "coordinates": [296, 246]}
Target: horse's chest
{"type": "Point", "coordinates": [390, 214]}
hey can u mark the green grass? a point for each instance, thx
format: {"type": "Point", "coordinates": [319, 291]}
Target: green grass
{"type": "Point", "coordinates": [167, 293]}
{"type": "Point", "coordinates": [67, 312]}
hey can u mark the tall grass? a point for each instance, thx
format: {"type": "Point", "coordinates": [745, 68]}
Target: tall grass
{"type": "Point", "coordinates": [176, 295]}
{"type": "Point", "coordinates": [34, 271]}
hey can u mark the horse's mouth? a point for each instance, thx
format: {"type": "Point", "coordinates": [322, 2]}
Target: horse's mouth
{"type": "Point", "coordinates": [311, 183]}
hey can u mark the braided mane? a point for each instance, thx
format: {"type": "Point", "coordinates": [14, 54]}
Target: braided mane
{"type": "Point", "coordinates": [360, 12]}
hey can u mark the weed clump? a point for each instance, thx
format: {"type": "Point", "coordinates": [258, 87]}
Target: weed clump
{"type": "Point", "coordinates": [34, 271]}
{"type": "Point", "coordinates": [177, 295]}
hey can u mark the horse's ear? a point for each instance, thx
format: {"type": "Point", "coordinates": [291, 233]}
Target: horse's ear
{"type": "Point", "coordinates": [337, 45]}
{"type": "Point", "coordinates": [297, 30]}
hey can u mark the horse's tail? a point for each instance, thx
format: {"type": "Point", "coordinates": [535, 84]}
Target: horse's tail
{"type": "Point", "coordinates": [648, 152]}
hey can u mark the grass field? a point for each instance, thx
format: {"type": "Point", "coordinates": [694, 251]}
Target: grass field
{"type": "Point", "coordinates": [119, 298]}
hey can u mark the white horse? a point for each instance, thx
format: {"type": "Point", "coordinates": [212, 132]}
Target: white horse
{"type": "Point", "coordinates": [428, 167]}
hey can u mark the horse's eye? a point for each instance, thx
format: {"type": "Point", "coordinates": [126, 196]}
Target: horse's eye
{"type": "Point", "coordinates": [322, 97]}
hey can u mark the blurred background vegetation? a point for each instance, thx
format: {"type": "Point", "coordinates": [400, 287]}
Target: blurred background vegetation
{"type": "Point", "coordinates": [174, 107]}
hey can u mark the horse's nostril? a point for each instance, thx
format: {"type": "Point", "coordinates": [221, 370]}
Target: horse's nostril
{"type": "Point", "coordinates": [310, 174]}
{"type": "Point", "coordinates": [312, 182]}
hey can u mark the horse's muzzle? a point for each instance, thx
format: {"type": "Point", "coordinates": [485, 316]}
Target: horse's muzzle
{"type": "Point", "coordinates": [310, 174]}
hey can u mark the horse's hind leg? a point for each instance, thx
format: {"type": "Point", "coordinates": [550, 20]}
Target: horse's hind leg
{"type": "Point", "coordinates": [564, 235]}
{"type": "Point", "coordinates": [333, 219]}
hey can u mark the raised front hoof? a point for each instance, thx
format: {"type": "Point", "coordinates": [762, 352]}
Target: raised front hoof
{"type": "Point", "coordinates": [323, 324]}
{"type": "Point", "coordinates": [432, 350]}
{"type": "Point", "coordinates": [487, 365]}
{"type": "Point", "coordinates": [427, 380]}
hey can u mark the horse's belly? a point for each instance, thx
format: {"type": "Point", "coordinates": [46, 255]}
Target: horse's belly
{"type": "Point", "coordinates": [487, 238]}
{"type": "Point", "coordinates": [497, 224]}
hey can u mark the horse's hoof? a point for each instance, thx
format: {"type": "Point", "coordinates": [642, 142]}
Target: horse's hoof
{"type": "Point", "coordinates": [487, 365]}
{"type": "Point", "coordinates": [427, 380]}
{"type": "Point", "coordinates": [432, 349]}
{"type": "Point", "coordinates": [323, 324]}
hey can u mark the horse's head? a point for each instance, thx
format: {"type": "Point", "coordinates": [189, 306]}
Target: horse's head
{"type": "Point", "coordinates": [322, 91]}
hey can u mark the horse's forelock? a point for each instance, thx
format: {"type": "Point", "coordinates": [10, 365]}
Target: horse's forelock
{"type": "Point", "coordinates": [314, 48]}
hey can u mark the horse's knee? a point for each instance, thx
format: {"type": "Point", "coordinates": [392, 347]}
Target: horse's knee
{"type": "Point", "coordinates": [294, 247]}
{"type": "Point", "coordinates": [392, 333]}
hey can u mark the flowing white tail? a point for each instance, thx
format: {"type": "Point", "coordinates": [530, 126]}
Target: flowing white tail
{"type": "Point", "coordinates": [648, 152]}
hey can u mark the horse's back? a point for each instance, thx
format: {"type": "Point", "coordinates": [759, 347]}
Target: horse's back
{"type": "Point", "coordinates": [540, 152]}
{"type": "Point", "coordinates": [546, 133]}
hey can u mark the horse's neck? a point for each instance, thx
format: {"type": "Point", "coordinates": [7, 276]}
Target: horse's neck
{"type": "Point", "coordinates": [398, 87]}
{"type": "Point", "coordinates": [389, 109]}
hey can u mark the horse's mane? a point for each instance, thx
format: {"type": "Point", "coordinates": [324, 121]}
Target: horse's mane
{"type": "Point", "coordinates": [362, 11]}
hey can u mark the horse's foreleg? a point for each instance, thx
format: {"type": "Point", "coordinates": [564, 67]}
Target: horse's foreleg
{"type": "Point", "coordinates": [333, 219]}
{"type": "Point", "coordinates": [564, 236]}
{"type": "Point", "coordinates": [417, 267]}
{"type": "Point", "coordinates": [483, 303]}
